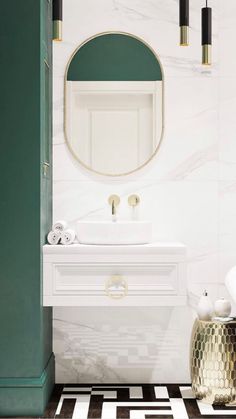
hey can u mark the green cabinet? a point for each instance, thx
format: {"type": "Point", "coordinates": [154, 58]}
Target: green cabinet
{"type": "Point", "coordinates": [26, 358]}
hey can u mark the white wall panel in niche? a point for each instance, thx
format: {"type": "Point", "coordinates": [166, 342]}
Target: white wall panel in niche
{"type": "Point", "coordinates": [123, 118]}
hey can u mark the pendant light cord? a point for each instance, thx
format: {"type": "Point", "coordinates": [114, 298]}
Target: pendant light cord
{"type": "Point", "coordinates": [206, 3]}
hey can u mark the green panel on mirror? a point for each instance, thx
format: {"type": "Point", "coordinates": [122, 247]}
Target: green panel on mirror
{"type": "Point", "coordinates": [114, 57]}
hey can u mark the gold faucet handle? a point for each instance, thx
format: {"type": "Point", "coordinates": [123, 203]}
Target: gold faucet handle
{"type": "Point", "coordinates": [133, 200]}
{"type": "Point", "coordinates": [114, 200]}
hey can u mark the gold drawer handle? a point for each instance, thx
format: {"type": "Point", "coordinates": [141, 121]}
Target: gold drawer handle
{"type": "Point", "coordinates": [116, 287]}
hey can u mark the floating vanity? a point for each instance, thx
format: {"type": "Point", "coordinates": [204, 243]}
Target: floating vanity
{"type": "Point", "coordinates": [134, 275]}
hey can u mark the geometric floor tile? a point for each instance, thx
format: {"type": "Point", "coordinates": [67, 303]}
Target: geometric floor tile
{"type": "Point", "coordinates": [141, 401]}
{"type": "Point", "coordinates": [135, 402]}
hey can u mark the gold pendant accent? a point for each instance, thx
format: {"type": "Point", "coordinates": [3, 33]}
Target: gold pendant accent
{"type": "Point", "coordinates": [206, 54]}
{"type": "Point", "coordinates": [57, 30]}
{"type": "Point", "coordinates": [184, 36]}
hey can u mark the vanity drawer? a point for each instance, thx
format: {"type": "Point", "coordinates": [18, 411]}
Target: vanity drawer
{"type": "Point", "coordinates": [113, 284]}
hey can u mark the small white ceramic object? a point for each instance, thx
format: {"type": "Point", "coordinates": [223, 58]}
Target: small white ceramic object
{"type": "Point", "coordinates": [205, 307]}
{"type": "Point", "coordinates": [222, 308]}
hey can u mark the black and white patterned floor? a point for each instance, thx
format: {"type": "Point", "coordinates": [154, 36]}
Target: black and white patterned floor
{"type": "Point", "coordinates": [142, 401]}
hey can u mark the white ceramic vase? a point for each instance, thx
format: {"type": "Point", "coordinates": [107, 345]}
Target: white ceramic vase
{"type": "Point", "coordinates": [222, 308]}
{"type": "Point", "coordinates": [205, 308]}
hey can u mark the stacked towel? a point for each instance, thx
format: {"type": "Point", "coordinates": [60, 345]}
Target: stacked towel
{"type": "Point", "coordinates": [61, 234]}
{"type": "Point", "coordinates": [59, 225]}
{"type": "Point", "coordinates": [68, 236]}
{"type": "Point", "coordinates": [54, 237]}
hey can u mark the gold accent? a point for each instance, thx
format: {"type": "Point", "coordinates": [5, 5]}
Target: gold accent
{"type": "Point", "coordinates": [46, 167]}
{"type": "Point", "coordinates": [206, 54]}
{"type": "Point", "coordinates": [114, 201]}
{"type": "Point", "coordinates": [85, 166]}
{"type": "Point", "coordinates": [184, 36]}
{"type": "Point", "coordinates": [133, 200]}
{"type": "Point", "coordinates": [119, 285]}
{"type": "Point", "coordinates": [213, 361]}
{"type": "Point", "coordinates": [57, 30]}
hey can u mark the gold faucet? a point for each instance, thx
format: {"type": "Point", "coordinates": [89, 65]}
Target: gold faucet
{"type": "Point", "coordinates": [113, 208]}
{"type": "Point", "coordinates": [114, 201]}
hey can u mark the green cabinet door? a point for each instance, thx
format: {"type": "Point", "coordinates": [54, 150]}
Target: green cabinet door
{"type": "Point", "coordinates": [26, 359]}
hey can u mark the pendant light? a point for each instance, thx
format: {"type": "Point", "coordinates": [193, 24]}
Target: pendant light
{"type": "Point", "coordinates": [57, 20]}
{"type": "Point", "coordinates": [184, 22]}
{"type": "Point", "coordinates": [206, 34]}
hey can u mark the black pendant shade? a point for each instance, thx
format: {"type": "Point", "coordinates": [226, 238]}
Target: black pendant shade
{"type": "Point", "coordinates": [206, 35]}
{"type": "Point", "coordinates": [57, 20]}
{"type": "Point", "coordinates": [184, 21]}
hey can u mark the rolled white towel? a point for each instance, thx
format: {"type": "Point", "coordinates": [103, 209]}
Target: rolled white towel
{"type": "Point", "coordinates": [67, 236]}
{"type": "Point", "coordinates": [54, 237]}
{"type": "Point", "coordinates": [59, 225]}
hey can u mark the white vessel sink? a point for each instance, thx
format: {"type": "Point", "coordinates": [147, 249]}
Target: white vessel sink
{"type": "Point", "coordinates": [116, 233]}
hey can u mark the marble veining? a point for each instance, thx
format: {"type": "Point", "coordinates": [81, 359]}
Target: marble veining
{"type": "Point", "coordinates": [118, 351]}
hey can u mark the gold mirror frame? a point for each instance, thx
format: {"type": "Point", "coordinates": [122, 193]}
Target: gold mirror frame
{"type": "Point", "coordinates": [65, 107]}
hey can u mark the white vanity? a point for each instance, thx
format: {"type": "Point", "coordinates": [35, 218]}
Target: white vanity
{"type": "Point", "coordinates": [134, 275]}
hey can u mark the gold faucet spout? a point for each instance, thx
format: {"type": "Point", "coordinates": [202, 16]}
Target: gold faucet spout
{"type": "Point", "coordinates": [113, 208]}
{"type": "Point", "coordinates": [114, 201]}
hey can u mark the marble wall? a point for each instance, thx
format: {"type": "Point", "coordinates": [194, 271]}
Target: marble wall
{"type": "Point", "coordinates": [189, 191]}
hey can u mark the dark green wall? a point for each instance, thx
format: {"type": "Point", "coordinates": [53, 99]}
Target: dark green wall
{"type": "Point", "coordinates": [25, 204]}
{"type": "Point", "coordinates": [114, 57]}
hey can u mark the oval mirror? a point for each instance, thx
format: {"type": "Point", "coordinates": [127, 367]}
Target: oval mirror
{"type": "Point", "coordinates": [113, 104]}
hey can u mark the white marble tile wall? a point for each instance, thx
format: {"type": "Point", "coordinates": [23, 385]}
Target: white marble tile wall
{"type": "Point", "coordinates": [189, 190]}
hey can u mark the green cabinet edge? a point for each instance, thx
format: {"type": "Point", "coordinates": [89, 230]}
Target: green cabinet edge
{"type": "Point", "coordinates": [27, 396]}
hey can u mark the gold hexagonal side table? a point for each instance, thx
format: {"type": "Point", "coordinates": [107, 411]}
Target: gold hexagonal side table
{"type": "Point", "coordinates": [213, 361]}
